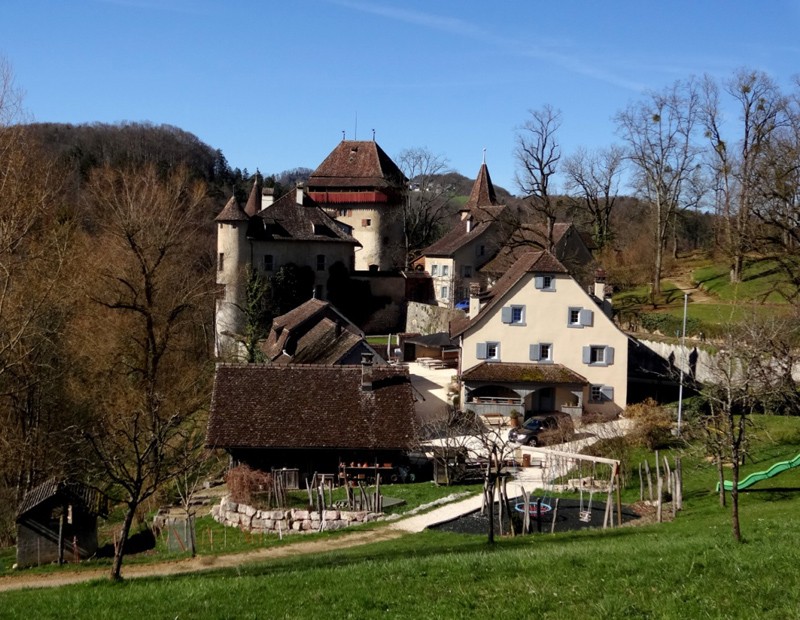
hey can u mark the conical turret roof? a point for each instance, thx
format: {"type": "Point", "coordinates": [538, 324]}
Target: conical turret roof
{"type": "Point", "coordinates": [232, 212]}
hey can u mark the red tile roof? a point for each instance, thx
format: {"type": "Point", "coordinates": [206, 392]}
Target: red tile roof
{"type": "Point", "coordinates": [268, 406]}
{"type": "Point", "coordinates": [504, 372]}
{"type": "Point", "coordinates": [356, 163]}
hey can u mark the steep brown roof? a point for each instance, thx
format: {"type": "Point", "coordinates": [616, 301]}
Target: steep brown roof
{"type": "Point", "coordinates": [504, 372]}
{"type": "Point", "coordinates": [286, 220]}
{"type": "Point", "coordinates": [253, 205]}
{"type": "Point", "coordinates": [530, 262]}
{"type": "Point", "coordinates": [457, 237]}
{"type": "Point", "coordinates": [267, 406]}
{"type": "Point", "coordinates": [524, 239]}
{"type": "Point", "coordinates": [313, 333]}
{"type": "Point", "coordinates": [232, 212]}
{"type": "Point", "coordinates": [482, 194]}
{"type": "Point", "coordinates": [357, 163]}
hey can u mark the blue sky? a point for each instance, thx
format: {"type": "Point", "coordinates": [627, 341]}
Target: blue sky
{"type": "Point", "coordinates": [274, 84]}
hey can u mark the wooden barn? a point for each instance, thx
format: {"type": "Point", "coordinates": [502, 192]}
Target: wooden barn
{"type": "Point", "coordinates": [57, 522]}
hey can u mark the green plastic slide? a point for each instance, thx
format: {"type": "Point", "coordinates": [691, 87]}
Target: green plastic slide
{"type": "Point", "coordinates": [777, 468]}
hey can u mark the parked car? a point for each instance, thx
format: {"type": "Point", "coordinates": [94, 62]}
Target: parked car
{"type": "Point", "coordinates": [543, 430]}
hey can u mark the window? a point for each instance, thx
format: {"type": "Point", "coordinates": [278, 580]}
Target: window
{"type": "Point", "coordinates": [601, 393]}
{"type": "Point", "coordinates": [488, 351]}
{"type": "Point", "coordinates": [366, 223]}
{"type": "Point", "coordinates": [221, 261]}
{"type": "Point", "coordinates": [320, 262]}
{"type": "Point", "coordinates": [513, 315]}
{"type": "Point", "coordinates": [541, 352]}
{"type": "Point", "coordinates": [598, 355]}
{"type": "Point", "coordinates": [580, 317]}
{"type": "Point", "coordinates": [545, 283]}
{"type": "Point", "coordinates": [445, 270]}
{"type": "Point", "coordinates": [269, 262]}
{"type": "Point", "coordinates": [318, 291]}
{"type": "Point", "coordinates": [467, 271]}
{"type": "Point", "coordinates": [481, 250]}
{"type": "Point", "coordinates": [434, 269]}
{"type": "Point", "coordinates": [444, 293]}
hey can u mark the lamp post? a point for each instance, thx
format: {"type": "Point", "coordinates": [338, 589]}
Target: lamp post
{"type": "Point", "coordinates": [683, 361]}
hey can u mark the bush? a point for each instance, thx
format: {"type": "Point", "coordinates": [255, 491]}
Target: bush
{"type": "Point", "coordinates": [652, 424]}
{"type": "Point", "coordinates": [248, 486]}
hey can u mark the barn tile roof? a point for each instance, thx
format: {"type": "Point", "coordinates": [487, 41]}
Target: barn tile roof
{"type": "Point", "coordinates": [253, 205]}
{"type": "Point", "coordinates": [286, 220]}
{"type": "Point", "coordinates": [530, 262]}
{"type": "Point", "coordinates": [505, 372]}
{"type": "Point", "coordinates": [524, 239]}
{"type": "Point", "coordinates": [357, 163]}
{"type": "Point", "coordinates": [296, 406]}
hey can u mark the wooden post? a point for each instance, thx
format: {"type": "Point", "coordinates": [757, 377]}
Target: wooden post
{"type": "Point", "coordinates": [641, 484]}
{"type": "Point", "coordinates": [668, 473]}
{"type": "Point", "coordinates": [539, 515]}
{"type": "Point", "coordinates": [658, 466]}
{"type": "Point", "coordinates": [658, 503]}
{"type": "Point", "coordinates": [679, 482]}
{"type": "Point", "coordinates": [555, 514]}
{"type": "Point", "coordinates": [526, 507]}
{"type": "Point", "coordinates": [649, 481]}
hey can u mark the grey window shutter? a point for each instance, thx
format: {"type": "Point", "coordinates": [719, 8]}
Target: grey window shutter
{"type": "Point", "coordinates": [534, 352]}
{"type": "Point", "coordinates": [609, 355]}
{"type": "Point", "coordinates": [505, 314]}
{"type": "Point", "coordinates": [587, 355]}
{"type": "Point", "coordinates": [539, 282]}
{"type": "Point", "coordinates": [608, 392]}
{"type": "Point", "coordinates": [481, 352]}
{"type": "Point", "coordinates": [587, 317]}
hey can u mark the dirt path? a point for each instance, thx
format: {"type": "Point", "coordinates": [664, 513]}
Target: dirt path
{"type": "Point", "coordinates": [198, 564]}
{"type": "Point", "coordinates": [696, 294]}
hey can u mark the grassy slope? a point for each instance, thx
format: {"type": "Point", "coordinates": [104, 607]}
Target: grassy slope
{"type": "Point", "coordinates": [685, 569]}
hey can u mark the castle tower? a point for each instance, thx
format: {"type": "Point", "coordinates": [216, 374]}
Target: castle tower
{"type": "Point", "coordinates": [360, 185]}
{"type": "Point", "coordinates": [232, 256]}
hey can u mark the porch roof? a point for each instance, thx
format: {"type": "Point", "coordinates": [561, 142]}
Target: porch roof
{"type": "Point", "coordinates": [505, 372]}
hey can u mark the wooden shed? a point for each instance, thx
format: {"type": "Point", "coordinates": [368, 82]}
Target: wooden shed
{"type": "Point", "coordinates": [57, 522]}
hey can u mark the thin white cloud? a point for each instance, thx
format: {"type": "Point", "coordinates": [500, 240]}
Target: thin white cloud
{"type": "Point", "coordinates": [457, 26]}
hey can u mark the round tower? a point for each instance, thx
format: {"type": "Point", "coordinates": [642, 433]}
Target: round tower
{"type": "Point", "coordinates": [232, 258]}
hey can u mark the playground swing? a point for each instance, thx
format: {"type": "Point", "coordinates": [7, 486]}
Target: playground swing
{"type": "Point", "coordinates": [586, 515]}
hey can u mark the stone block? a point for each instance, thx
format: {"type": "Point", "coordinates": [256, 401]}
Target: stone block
{"type": "Point", "coordinates": [248, 510]}
{"type": "Point", "coordinates": [300, 515]}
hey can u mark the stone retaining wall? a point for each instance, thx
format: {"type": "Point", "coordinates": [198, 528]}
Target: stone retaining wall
{"type": "Point", "coordinates": [251, 519]}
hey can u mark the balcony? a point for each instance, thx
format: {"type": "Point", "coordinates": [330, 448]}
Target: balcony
{"type": "Point", "coordinates": [495, 406]}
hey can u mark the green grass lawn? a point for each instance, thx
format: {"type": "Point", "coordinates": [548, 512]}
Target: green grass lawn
{"type": "Point", "coordinates": [761, 280]}
{"type": "Point", "coordinates": [690, 568]}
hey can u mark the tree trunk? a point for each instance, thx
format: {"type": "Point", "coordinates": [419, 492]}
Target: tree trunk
{"type": "Point", "coordinates": [737, 532]}
{"type": "Point", "coordinates": [721, 476]}
{"type": "Point", "coordinates": [119, 552]}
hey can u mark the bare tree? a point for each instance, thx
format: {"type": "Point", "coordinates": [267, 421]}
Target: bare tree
{"type": "Point", "coordinates": [537, 154]}
{"type": "Point", "coordinates": [737, 162]}
{"type": "Point", "coordinates": [746, 376]}
{"type": "Point", "coordinates": [659, 133]}
{"type": "Point", "coordinates": [144, 375]}
{"type": "Point", "coordinates": [429, 201]}
{"type": "Point", "coordinates": [35, 236]}
{"type": "Point", "coordinates": [593, 178]}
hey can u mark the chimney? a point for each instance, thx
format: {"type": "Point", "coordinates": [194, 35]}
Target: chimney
{"type": "Point", "coordinates": [366, 372]}
{"type": "Point", "coordinates": [267, 197]}
{"type": "Point", "coordinates": [300, 187]}
{"type": "Point", "coordinates": [469, 224]}
{"type": "Point", "coordinates": [600, 284]}
{"type": "Point", "coordinates": [474, 301]}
